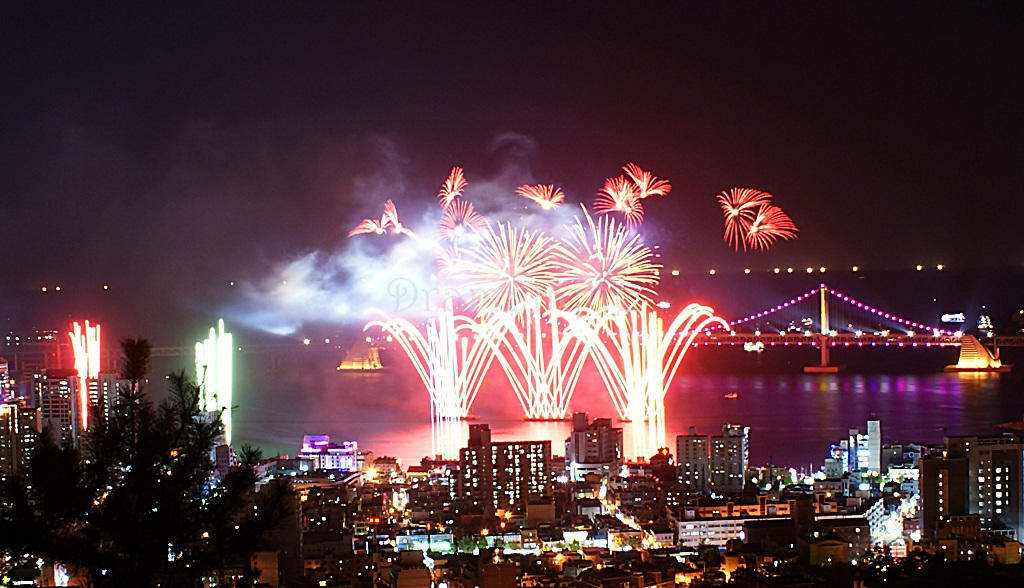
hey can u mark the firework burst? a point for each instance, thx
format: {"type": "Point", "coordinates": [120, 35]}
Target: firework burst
{"type": "Point", "coordinates": [646, 183]}
{"type": "Point", "coordinates": [508, 266]}
{"type": "Point", "coordinates": [769, 224]}
{"type": "Point", "coordinates": [452, 187]}
{"type": "Point", "coordinates": [390, 219]}
{"type": "Point", "coordinates": [546, 195]}
{"type": "Point", "coordinates": [368, 225]}
{"type": "Point", "coordinates": [600, 266]}
{"type": "Point", "coordinates": [449, 260]}
{"type": "Point", "coordinates": [620, 195]}
{"type": "Point", "coordinates": [458, 219]}
{"type": "Point", "coordinates": [740, 206]}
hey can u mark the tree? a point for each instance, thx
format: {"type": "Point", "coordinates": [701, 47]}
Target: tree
{"type": "Point", "coordinates": [137, 503]}
{"type": "Point", "coordinates": [467, 544]}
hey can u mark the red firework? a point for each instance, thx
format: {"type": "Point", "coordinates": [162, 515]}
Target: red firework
{"type": "Point", "coordinates": [452, 187]}
{"type": "Point", "coordinates": [620, 195]}
{"type": "Point", "coordinates": [368, 225]}
{"type": "Point", "coordinates": [547, 196]}
{"type": "Point", "coordinates": [771, 223]}
{"type": "Point", "coordinates": [457, 218]}
{"type": "Point", "coordinates": [646, 183]}
{"type": "Point", "coordinates": [391, 216]}
{"type": "Point", "coordinates": [740, 206]}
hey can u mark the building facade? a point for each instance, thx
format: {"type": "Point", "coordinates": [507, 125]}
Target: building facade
{"type": "Point", "coordinates": [729, 458]}
{"type": "Point", "coordinates": [593, 448]}
{"type": "Point", "coordinates": [503, 474]}
{"type": "Point", "coordinates": [55, 393]}
{"type": "Point", "coordinates": [19, 427]}
{"type": "Point", "coordinates": [693, 461]}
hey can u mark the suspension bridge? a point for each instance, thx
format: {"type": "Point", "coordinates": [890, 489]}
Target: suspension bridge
{"type": "Point", "coordinates": [826, 318]}
{"type": "Point", "coordinates": [822, 317]}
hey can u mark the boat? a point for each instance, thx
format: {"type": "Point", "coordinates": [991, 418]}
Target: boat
{"type": "Point", "coordinates": [732, 395]}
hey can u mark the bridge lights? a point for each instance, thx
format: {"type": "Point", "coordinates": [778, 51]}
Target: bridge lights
{"type": "Point", "coordinates": [810, 270]}
{"type": "Point", "coordinates": [855, 268]}
{"type": "Point", "coordinates": [939, 267]}
{"type": "Point", "coordinates": [789, 270]}
{"type": "Point", "coordinates": [776, 270]}
{"type": "Point", "coordinates": [712, 272]}
{"type": "Point", "coordinates": [920, 267]}
{"type": "Point", "coordinates": [910, 333]}
{"type": "Point", "coordinates": [833, 333]}
{"type": "Point", "coordinates": [858, 332]}
{"type": "Point", "coordinates": [821, 269]}
{"type": "Point", "coordinates": [746, 270]}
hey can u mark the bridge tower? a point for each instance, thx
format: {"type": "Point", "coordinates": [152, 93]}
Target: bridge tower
{"type": "Point", "coordinates": [823, 338]}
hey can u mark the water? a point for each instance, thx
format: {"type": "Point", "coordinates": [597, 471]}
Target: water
{"type": "Point", "coordinates": [793, 417]}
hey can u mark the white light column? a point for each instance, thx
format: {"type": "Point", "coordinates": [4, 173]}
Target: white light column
{"type": "Point", "coordinates": [214, 372]}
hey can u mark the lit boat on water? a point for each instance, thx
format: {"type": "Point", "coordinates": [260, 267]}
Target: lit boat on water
{"type": "Point", "coordinates": [732, 395]}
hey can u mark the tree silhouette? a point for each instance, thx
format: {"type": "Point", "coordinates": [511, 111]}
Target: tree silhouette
{"type": "Point", "coordinates": [138, 503]}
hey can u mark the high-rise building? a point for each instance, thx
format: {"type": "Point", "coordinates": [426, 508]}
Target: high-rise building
{"type": "Point", "coordinates": [729, 459]}
{"type": "Point", "coordinates": [503, 474]}
{"type": "Point", "coordinates": [104, 394]}
{"type": "Point", "coordinates": [995, 478]}
{"type": "Point", "coordinates": [942, 482]}
{"type": "Point", "coordinates": [54, 392]}
{"type": "Point", "coordinates": [693, 461]}
{"type": "Point", "coordinates": [19, 425]}
{"type": "Point", "coordinates": [593, 447]}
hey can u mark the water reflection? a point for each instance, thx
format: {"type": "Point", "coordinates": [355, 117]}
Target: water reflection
{"type": "Point", "coordinates": [792, 417]}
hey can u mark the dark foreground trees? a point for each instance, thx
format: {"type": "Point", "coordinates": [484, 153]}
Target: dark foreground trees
{"type": "Point", "coordinates": [138, 502]}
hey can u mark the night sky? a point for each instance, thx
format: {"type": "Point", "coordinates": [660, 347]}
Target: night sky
{"type": "Point", "coordinates": [169, 150]}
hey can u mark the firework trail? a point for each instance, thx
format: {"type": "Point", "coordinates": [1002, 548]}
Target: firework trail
{"type": "Point", "coordinates": [620, 195]}
{"type": "Point", "coordinates": [600, 265]}
{"type": "Point", "coordinates": [740, 206]}
{"type": "Point", "coordinates": [546, 195]}
{"type": "Point", "coordinates": [457, 218]}
{"type": "Point", "coordinates": [639, 360]}
{"type": "Point", "coordinates": [646, 183]}
{"type": "Point", "coordinates": [771, 223]}
{"type": "Point", "coordinates": [450, 360]}
{"type": "Point", "coordinates": [542, 353]}
{"type": "Point", "coordinates": [508, 266]}
{"type": "Point", "coordinates": [452, 187]}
